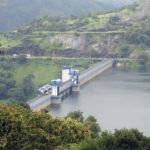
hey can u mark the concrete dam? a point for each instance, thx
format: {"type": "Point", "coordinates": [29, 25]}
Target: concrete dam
{"type": "Point", "coordinates": [71, 81]}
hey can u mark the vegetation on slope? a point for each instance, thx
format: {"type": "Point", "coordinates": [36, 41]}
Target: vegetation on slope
{"type": "Point", "coordinates": [92, 21]}
{"type": "Point", "coordinates": [20, 12]}
{"type": "Point", "coordinates": [136, 41]}
{"type": "Point", "coordinates": [6, 43]}
{"type": "Point", "coordinates": [94, 35]}
{"type": "Point", "coordinates": [22, 129]}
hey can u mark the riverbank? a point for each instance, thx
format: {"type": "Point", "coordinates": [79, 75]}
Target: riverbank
{"type": "Point", "coordinates": [135, 64]}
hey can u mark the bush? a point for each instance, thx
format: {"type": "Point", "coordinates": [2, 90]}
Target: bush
{"type": "Point", "coordinates": [21, 59]}
{"type": "Point", "coordinates": [143, 60]}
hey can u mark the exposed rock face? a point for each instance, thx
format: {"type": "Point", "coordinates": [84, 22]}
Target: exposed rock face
{"type": "Point", "coordinates": [70, 41]}
{"type": "Point", "coordinates": [87, 41]}
{"type": "Point", "coordinates": [96, 45]}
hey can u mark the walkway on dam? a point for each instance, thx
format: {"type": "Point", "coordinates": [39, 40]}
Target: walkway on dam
{"type": "Point", "coordinates": [43, 101]}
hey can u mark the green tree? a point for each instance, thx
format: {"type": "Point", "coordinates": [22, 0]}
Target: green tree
{"type": "Point", "coordinates": [21, 129]}
{"type": "Point", "coordinates": [21, 59]}
{"type": "Point", "coordinates": [28, 85]}
{"type": "Point", "coordinates": [124, 51]}
{"type": "Point", "coordinates": [6, 74]}
{"type": "Point", "coordinates": [124, 139]}
{"type": "Point", "coordinates": [89, 144]}
{"type": "Point", "coordinates": [77, 115]}
{"type": "Point", "coordinates": [6, 65]}
{"type": "Point", "coordinates": [6, 78]}
{"type": "Point", "coordinates": [143, 60]}
{"type": "Point", "coordinates": [91, 122]}
{"type": "Point", "coordinates": [16, 94]}
{"type": "Point", "coordinates": [3, 90]}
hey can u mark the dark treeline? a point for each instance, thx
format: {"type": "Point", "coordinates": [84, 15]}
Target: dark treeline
{"type": "Point", "coordinates": [9, 89]}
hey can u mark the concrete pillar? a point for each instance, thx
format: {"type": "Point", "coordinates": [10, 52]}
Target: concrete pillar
{"type": "Point", "coordinates": [75, 80]}
{"type": "Point", "coordinates": [76, 89]}
{"type": "Point", "coordinates": [55, 84]}
{"type": "Point", "coordinates": [55, 90]}
{"type": "Point", "coordinates": [55, 95]}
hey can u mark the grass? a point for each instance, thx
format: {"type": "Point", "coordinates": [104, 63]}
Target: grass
{"type": "Point", "coordinates": [45, 70]}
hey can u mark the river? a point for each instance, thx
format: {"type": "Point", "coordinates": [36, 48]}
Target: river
{"type": "Point", "coordinates": [119, 98]}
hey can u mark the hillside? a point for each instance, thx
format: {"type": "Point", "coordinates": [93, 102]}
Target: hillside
{"type": "Point", "coordinates": [106, 34]}
{"type": "Point", "coordinates": [15, 13]}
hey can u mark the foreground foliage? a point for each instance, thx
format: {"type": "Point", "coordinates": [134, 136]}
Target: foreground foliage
{"type": "Point", "coordinates": [125, 139]}
{"type": "Point", "coordinates": [89, 122]}
{"type": "Point", "coordinates": [22, 129]}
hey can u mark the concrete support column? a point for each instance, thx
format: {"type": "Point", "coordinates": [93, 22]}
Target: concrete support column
{"type": "Point", "coordinates": [55, 95]}
{"type": "Point", "coordinates": [76, 89]}
{"type": "Point", "coordinates": [75, 80]}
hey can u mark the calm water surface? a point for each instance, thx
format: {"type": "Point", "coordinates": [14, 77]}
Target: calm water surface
{"type": "Point", "coordinates": [118, 99]}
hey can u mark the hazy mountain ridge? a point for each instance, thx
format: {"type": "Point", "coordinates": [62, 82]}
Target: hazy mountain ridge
{"type": "Point", "coordinates": [15, 13]}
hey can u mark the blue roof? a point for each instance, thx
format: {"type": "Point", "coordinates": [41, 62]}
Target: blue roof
{"type": "Point", "coordinates": [55, 82]}
{"type": "Point", "coordinates": [74, 72]}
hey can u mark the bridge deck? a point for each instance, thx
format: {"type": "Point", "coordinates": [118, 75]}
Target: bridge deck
{"type": "Point", "coordinates": [94, 71]}
{"type": "Point", "coordinates": [65, 86]}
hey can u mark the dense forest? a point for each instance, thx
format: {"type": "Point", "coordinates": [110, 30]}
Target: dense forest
{"type": "Point", "coordinates": [20, 128]}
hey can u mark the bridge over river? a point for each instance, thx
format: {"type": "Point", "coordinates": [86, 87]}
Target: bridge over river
{"type": "Point", "coordinates": [43, 101]}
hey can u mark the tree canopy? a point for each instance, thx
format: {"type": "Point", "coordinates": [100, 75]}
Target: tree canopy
{"type": "Point", "coordinates": [22, 129]}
